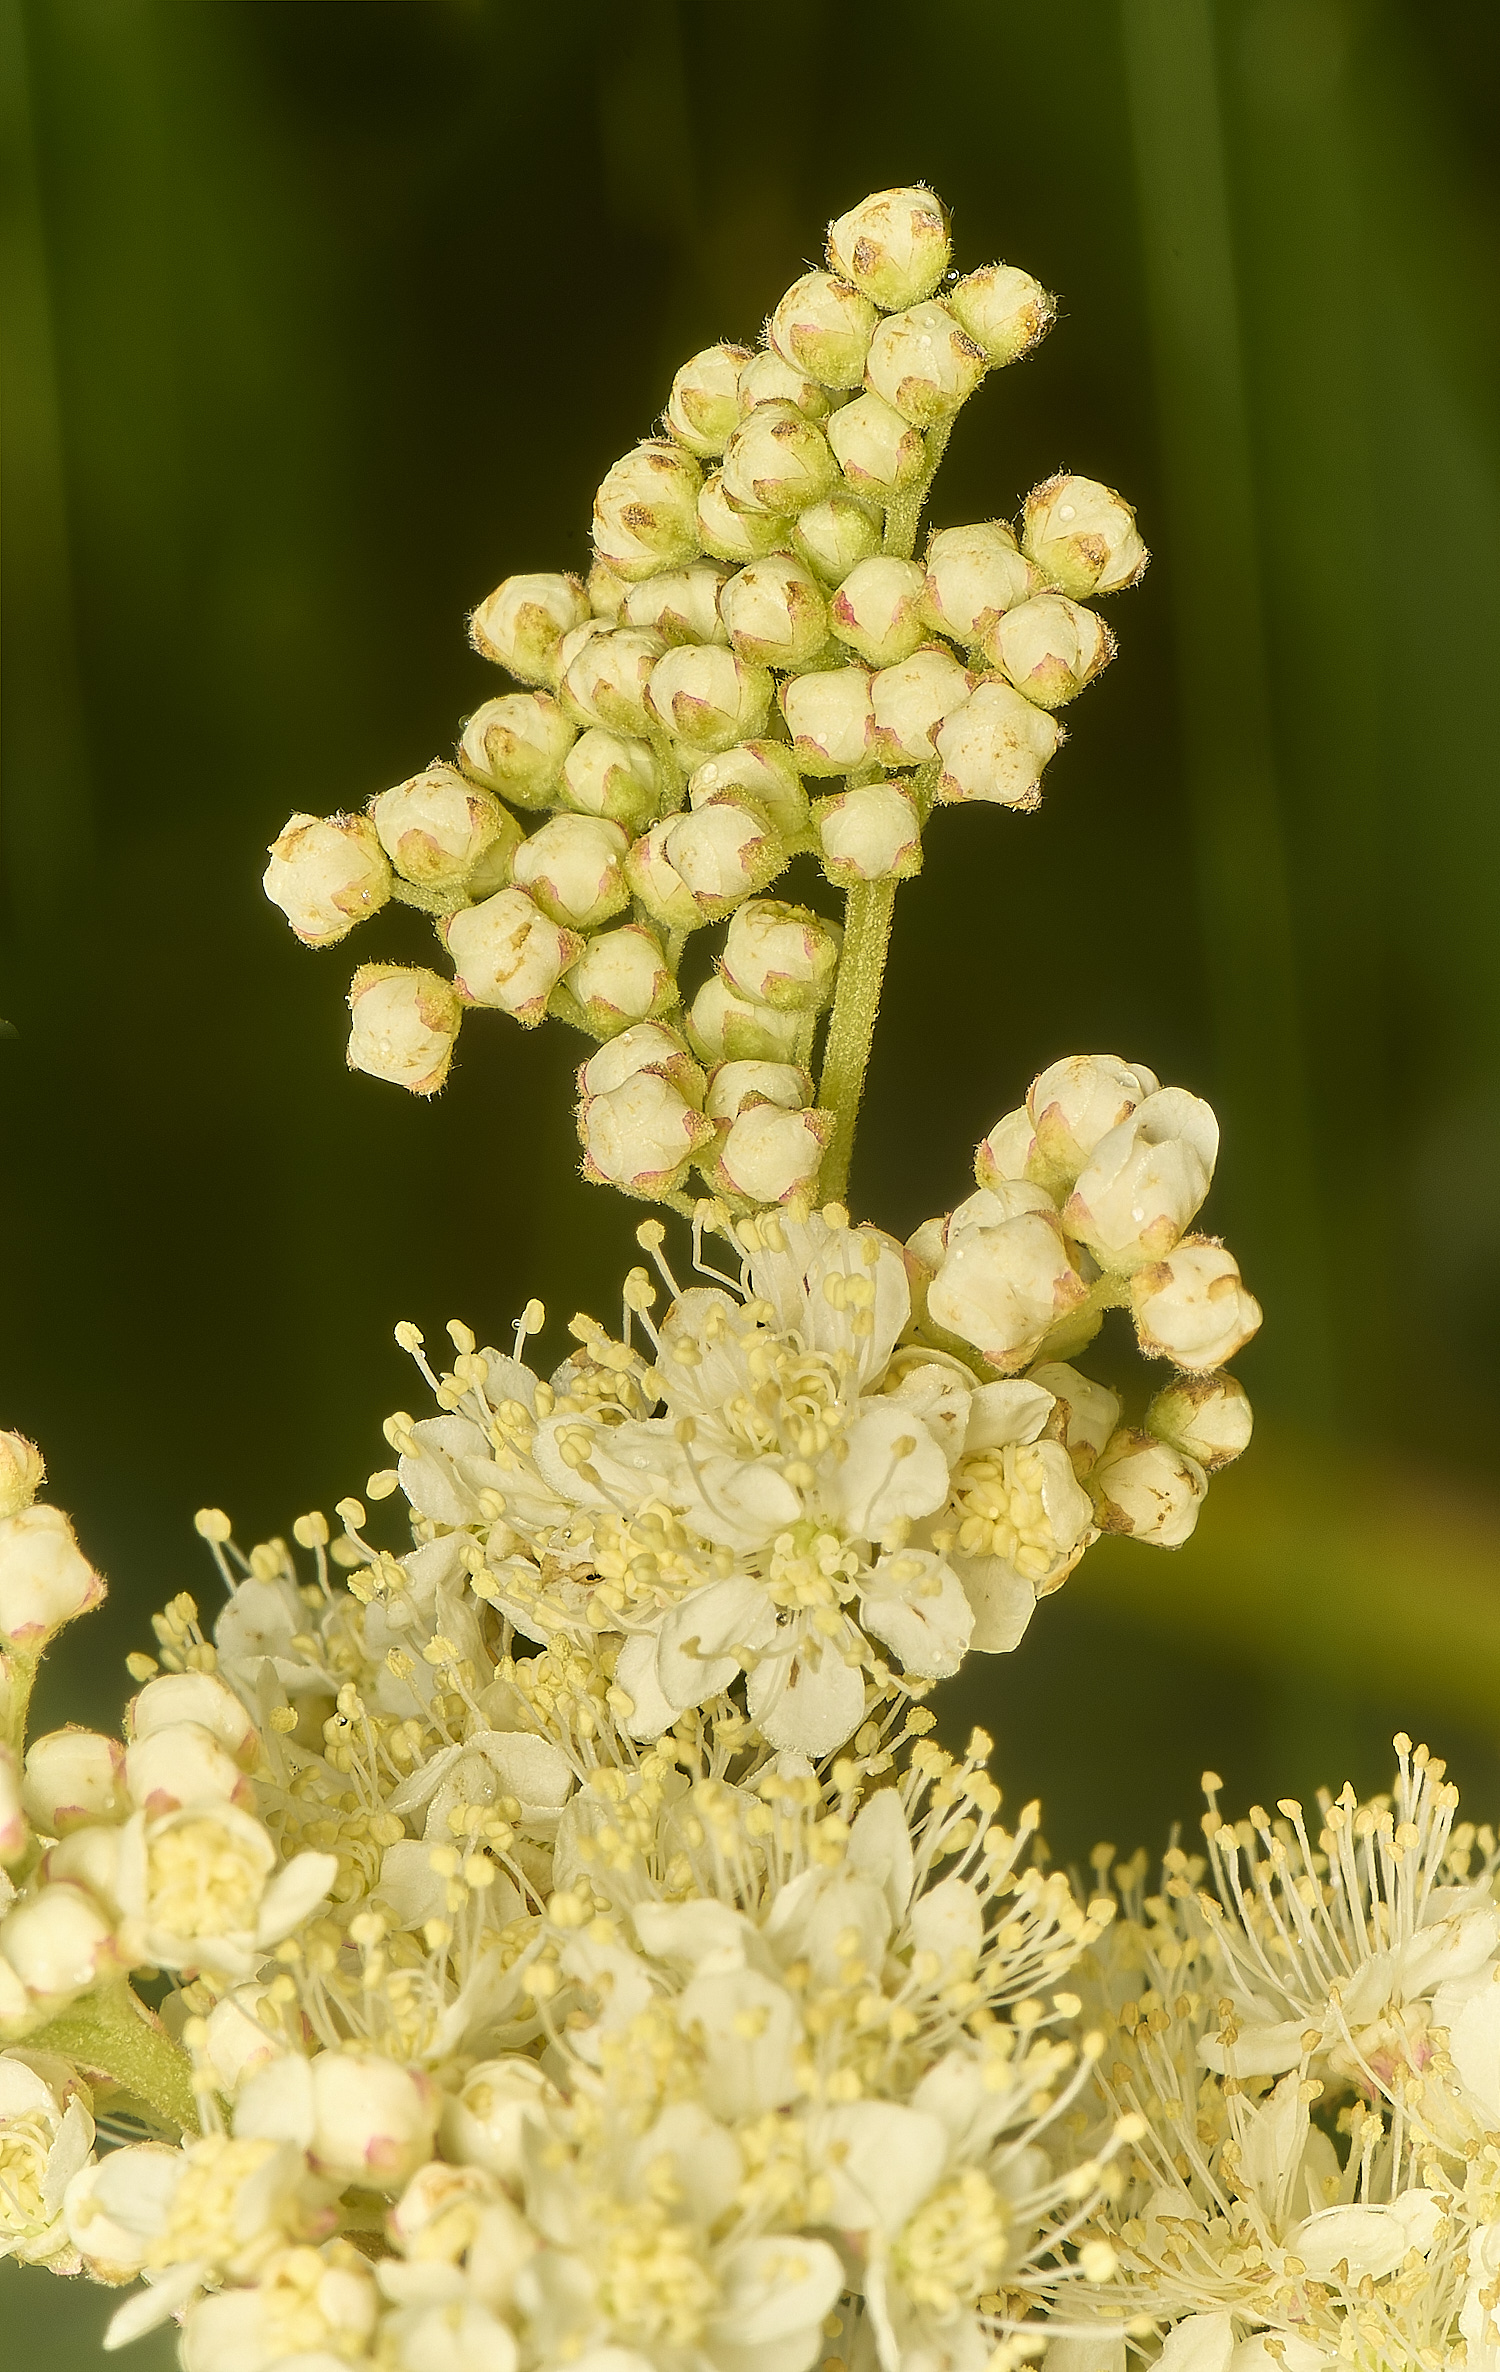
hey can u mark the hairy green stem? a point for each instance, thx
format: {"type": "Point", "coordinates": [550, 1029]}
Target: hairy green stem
{"type": "Point", "coordinates": [903, 515]}
{"type": "Point", "coordinates": [114, 2033]}
{"type": "Point", "coordinates": [17, 1679]}
{"type": "Point", "coordinates": [867, 934]}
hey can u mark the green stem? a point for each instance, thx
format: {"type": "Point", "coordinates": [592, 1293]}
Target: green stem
{"type": "Point", "coordinates": [114, 2033]}
{"type": "Point", "coordinates": [867, 935]}
{"type": "Point", "coordinates": [17, 1679]}
{"type": "Point", "coordinates": [903, 514]}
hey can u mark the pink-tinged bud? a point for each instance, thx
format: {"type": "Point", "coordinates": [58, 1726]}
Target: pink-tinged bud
{"type": "Point", "coordinates": [767, 770]}
{"type": "Point", "coordinates": [879, 453]}
{"type": "Point", "coordinates": [1207, 1417]}
{"type": "Point", "coordinates": [15, 1830]}
{"type": "Point", "coordinates": [373, 2120]}
{"type": "Point", "coordinates": [707, 697]}
{"type": "Point", "coordinates": [23, 1470]}
{"type": "Point", "coordinates": [645, 511]}
{"type": "Point", "coordinates": [1049, 648]}
{"type": "Point", "coordinates": [436, 828]}
{"type": "Point", "coordinates": [768, 378]}
{"type": "Point", "coordinates": [893, 245]}
{"type": "Point", "coordinates": [571, 867]}
{"type": "Point", "coordinates": [1192, 1306]}
{"type": "Point", "coordinates": [723, 852]}
{"type": "Point", "coordinates": [1004, 310]}
{"type": "Point", "coordinates": [681, 605]}
{"type": "Point", "coordinates": [613, 775]}
{"type": "Point", "coordinates": [605, 682]}
{"type": "Point", "coordinates": [73, 1778]}
{"type": "Point", "coordinates": [869, 834]}
{"type": "Point", "coordinates": [642, 1136]}
{"type": "Point", "coordinates": [645, 1047]}
{"type": "Point", "coordinates": [736, 1087]}
{"type": "Point", "coordinates": [974, 575]}
{"type": "Point", "coordinates": [723, 1026]}
{"type": "Point", "coordinates": [58, 1943]}
{"type": "Point", "coordinates": [834, 536]}
{"type": "Point", "coordinates": [778, 461]}
{"type": "Point", "coordinates": [831, 718]}
{"type": "Point", "coordinates": [1074, 1104]}
{"type": "Point", "coordinates": [878, 610]}
{"type": "Point", "coordinates": [45, 1580]}
{"type": "Point", "coordinates": [404, 1020]}
{"type": "Point", "coordinates": [607, 592]}
{"type": "Point", "coordinates": [1083, 537]}
{"type": "Point", "coordinates": [522, 623]}
{"type": "Point", "coordinates": [782, 955]}
{"type": "Point", "coordinates": [924, 364]}
{"type": "Point", "coordinates": [655, 881]}
{"type": "Point", "coordinates": [912, 699]}
{"type": "Point", "coordinates": [1084, 1414]}
{"type": "Point", "coordinates": [995, 747]}
{"type": "Point", "coordinates": [509, 954]}
{"type": "Point", "coordinates": [824, 326]}
{"type": "Point", "coordinates": [1144, 1181]}
{"type": "Point", "coordinates": [767, 1155]}
{"type": "Point", "coordinates": [486, 2124]}
{"type": "Point", "coordinates": [199, 1697]}
{"type": "Point", "coordinates": [1003, 1286]}
{"type": "Point", "coordinates": [1005, 1153]}
{"type": "Point", "coordinates": [736, 535]}
{"type": "Point", "coordinates": [704, 405]}
{"type": "Point", "coordinates": [183, 1764]}
{"type": "Point", "coordinates": [622, 977]}
{"type": "Point", "coordinates": [516, 745]}
{"type": "Point", "coordinates": [1148, 1489]}
{"type": "Point", "coordinates": [326, 874]}
{"type": "Point", "coordinates": [775, 612]}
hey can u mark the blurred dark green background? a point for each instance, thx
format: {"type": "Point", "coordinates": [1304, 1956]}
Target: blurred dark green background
{"type": "Point", "coordinates": [319, 316]}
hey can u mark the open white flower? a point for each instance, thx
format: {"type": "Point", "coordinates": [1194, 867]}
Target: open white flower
{"type": "Point", "coordinates": [46, 2137]}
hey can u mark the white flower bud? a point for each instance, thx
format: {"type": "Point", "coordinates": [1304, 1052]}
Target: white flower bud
{"type": "Point", "coordinates": [523, 621]}
{"type": "Point", "coordinates": [605, 683]}
{"type": "Point", "coordinates": [767, 770]}
{"type": "Point", "coordinates": [707, 697]}
{"type": "Point", "coordinates": [1148, 1489]}
{"type": "Point", "coordinates": [878, 452]}
{"type": "Point", "coordinates": [1145, 1180]}
{"type": "Point", "coordinates": [767, 1155]}
{"type": "Point", "coordinates": [1075, 1103]}
{"type": "Point", "coordinates": [681, 604]}
{"type": "Point", "coordinates": [1082, 536]}
{"type": "Point", "coordinates": [1084, 1414]}
{"type": "Point", "coordinates": [775, 612]}
{"type": "Point", "coordinates": [326, 874]}
{"type": "Point", "coordinates": [436, 827]}
{"type": "Point", "coordinates": [487, 2123]}
{"type": "Point", "coordinates": [572, 868]}
{"type": "Point", "coordinates": [647, 1047]}
{"type": "Point", "coordinates": [1049, 648]}
{"type": "Point", "coordinates": [614, 775]}
{"type": "Point", "coordinates": [974, 575]}
{"type": "Point", "coordinates": [893, 246]}
{"type": "Point", "coordinates": [1004, 310]}
{"type": "Point", "coordinates": [703, 406]}
{"type": "Point", "coordinates": [183, 1764]}
{"type": "Point", "coordinates": [73, 1777]}
{"type": "Point", "coordinates": [373, 2121]}
{"type": "Point", "coordinates": [607, 591]}
{"type": "Point", "coordinates": [831, 718]}
{"type": "Point", "coordinates": [15, 1830]}
{"type": "Point", "coordinates": [878, 610]}
{"type": "Point", "coordinates": [1192, 1306]}
{"type": "Point", "coordinates": [824, 326]}
{"type": "Point", "coordinates": [870, 833]}
{"type": "Point", "coordinates": [117, 2205]}
{"type": "Point", "coordinates": [995, 747]}
{"type": "Point", "coordinates": [58, 1943]}
{"type": "Point", "coordinates": [924, 364]}
{"type": "Point", "coordinates": [912, 699]}
{"type": "Point", "coordinates": [1004, 1287]}
{"type": "Point", "coordinates": [736, 1087]}
{"type": "Point", "coordinates": [723, 1026]}
{"type": "Point", "coordinates": [834, 536]}
{"type": "Point", "coordinates": [778, 461]}
{"type": "Point", "coordinates": [622, 977]}
{"type": "Point", "coordinates": [782, 955]}
{"type": "Point", "coordinates": [645, 513]}
{"type": "Point", "coordinates": [731, 534]}
{"type": "Point", "coordinates": [1005, 1153]}
{"type": "Point", "coordinates": [516, 745]}
{"type": "Point", "coordinates": [768, 378]}
{"type": "Point", "coordinates": [724, 851]}
{"type": "Point", "coordinates": [236, 2043]}
{"type": "Point", "coordinates": [23, 1470]}
{"type": "Point", "coordinates": [642, 1136]}
{"type": "Point", "coordinates": [1207, 1417]}
{"type": "Point", "coordinates": [45, 1580]}
{"type": "Point", "coordinates": [404, 1021]}
{"type": "Point", "coordinates": [508, 953]}
{"type": "Point", "coordinates": [657, 884]}
{"type": "Point", "coordinates": [199, 1697]}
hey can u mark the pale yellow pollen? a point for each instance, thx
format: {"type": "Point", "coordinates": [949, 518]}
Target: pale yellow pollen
{"type": "Point", "coordinates": [1003, 1513]}
{"type": "Point", "coordinates": [954, 2247]}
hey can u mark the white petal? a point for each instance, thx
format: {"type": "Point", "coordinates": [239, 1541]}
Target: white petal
{"type": "Point", "coordinates": [1372, 2240]}
{"type": "Point", "coordinates": [948, 1920]}
{"type": "Point", "coordinates": [293, 1895]}
{"type": "Point", "coordinates": [699, 1640]}
{"type": "Point", "coordinates": [775, 2288]}
{"type": "Point", "coordinates": [880, 1848]}
{"type": "Point", "coordinates": [1012, 1411]}
{"type": "Point", "coordinates": [1261, 2049]}
{"type": "Point", "coordinates": [927, 1627]}
{"type": "Point", "coordinates": [746, 2073]}
{"type": "Point", "coordinates": [707, 1937]}
{"type": "Point", "coordinates": [277, 2103]}
{"type": "Point", "coordinates": [1002, 1599]}
{"type": "Point", "coordinates": [1202, 2343]}
{"type": "Point", "coordinates": [881, 2160]}
{"type": "Point", "coordinates": [635, 1672]}
{"type": "Point", "coordinates": [742, 1503]}
{"type": "Point", "coordinates": [890, 1468]}
{"type": "Point", "coordinates": [149, 2307]}
{"type": "Point", "coordinates": [809, 1700]}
